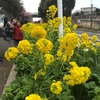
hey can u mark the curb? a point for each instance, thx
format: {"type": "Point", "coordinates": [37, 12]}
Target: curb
{"type": "Point", "coordinates": [88, 30]}
{"type": "Point", "coordinates": [11, 78]}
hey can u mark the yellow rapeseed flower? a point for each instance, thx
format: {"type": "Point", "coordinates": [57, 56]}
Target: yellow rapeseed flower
{"type": "Point", "coordinates": [33, 97]}
{"type": "Point", "coordinates": [94, 49]}
{"type": "Point", "coordinates": [67, 30]}
{"type": "Point", "coordinates": [98, 44]}
{"type": "Point", "coordinates": [40, 72]}
{"type": "Point", "coordinates": [64, 19]}
{"type": "Point", "coordinates": [69, 19]}
{"type": "Point", "coordinates": [11, 53]}
{"type": "Point", "coordinates": [48, 59]}
{"type": "Point", "coordinates": [24, 47]}
{"type": "Point", "coordinates": [38, 32]}
{"type": "Point", "coordinates": [78, 75]}
{"type": "Point", "coordinates": [68, 43]}
{"type": "Point", "coordinates": [94, 38]}
{"type": "Point", "coordinates": [75, 26]}
{"type": "Point", "coordinates": [51, 11]}
{"type": "Point", "coordinates": [56, 87]}
{"type": "Point", "coordinates": [84, 37]}
{"type": "Point", "coordinates": [27, 28]}
{"type": "Point", "coordinates": [44, 45]}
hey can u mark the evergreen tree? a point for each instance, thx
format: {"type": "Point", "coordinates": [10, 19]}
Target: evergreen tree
{"type": "Point", "coordinates": [68, 6]}
{"type": "Point", "coordinates": [13, 7]}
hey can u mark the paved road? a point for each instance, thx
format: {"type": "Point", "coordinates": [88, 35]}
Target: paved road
{"type": "Point", "coordinates": [90, 33]}
{"type": "Point", "coordinates": [4, 46]}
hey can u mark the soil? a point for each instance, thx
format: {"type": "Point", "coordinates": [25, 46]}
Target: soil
{"type": "Point", "coordinates": [5, 68]}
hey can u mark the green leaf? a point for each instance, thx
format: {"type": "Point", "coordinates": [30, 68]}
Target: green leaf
{"type": "Point", "coordinates": [65, 96]}
{"type": "Point", "coordinates": [97, 98]}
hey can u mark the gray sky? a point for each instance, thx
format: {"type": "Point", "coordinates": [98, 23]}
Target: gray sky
{"type": "Point", "coordinates": [32, 5]}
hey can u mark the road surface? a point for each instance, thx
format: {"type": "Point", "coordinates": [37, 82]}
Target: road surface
{"type": "Point", "coordinates": [90, 33]}
{"type": "Point", "coordinates": [4, 45]}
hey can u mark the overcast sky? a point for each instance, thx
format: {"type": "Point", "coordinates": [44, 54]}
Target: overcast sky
{"type": "Point", "coordinates": [32, 5]}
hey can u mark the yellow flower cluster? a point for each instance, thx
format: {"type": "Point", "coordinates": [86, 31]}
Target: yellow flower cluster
{"type": "Point", "coordinates": [69, 19]}
{"type": "Point", "coordinates": [78, 75]}
{"type": "Point", "coordinates": [54, 24]}
{"type": "Point", "coordinates": [51, 11]}
{"type": "Point", "coordinates": [98, 44]}
{"type": "Point", "coordinates": [40, 72]}
{"type": "Point", "coordinates": [44, 45]}
{"type": "Point", "coordinates": [33, 97]}
{"type": "Point", "coordinates": [67, 30]}
{"type": "Point", "coordinates": [87, 43]}
{"type": "Point", "coordinates": [38, 32]}
{"type": "Point", "coordinates": [94, 38]}
{"type": "Point", "coordinates": [48, 59]}
{"type": "Point", "coordinates": [75, 26]}
{"type": "Point", "coordinates": [24, 47]}
{"type": "Point", "coordinates": [56, 87]}
{"type": "Point", "coordinates": [68, 26]}
{"type": "Point", "coordinates": [64, 20]}
{"type": "Point", "coordinates": [67, 44]}
{"type": "Point", "coordinates": [84, 37]}
{"type": "Point", "coordinates": [94, 49]}
{"type": "Point", "coordinates": [61, 56]}
{"type": "Point", "coordinates": [44, 98]}
{"type": "Point", "coordinates": [68, 22]}
{"type": "Point", "coordinates": [11, 53]}
{"type": "Point", "coordinates": [69, 40]}
{"type": "Point", "coordinates": [27, 28]}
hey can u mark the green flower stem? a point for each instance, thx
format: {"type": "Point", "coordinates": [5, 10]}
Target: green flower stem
{"type": "Point", "coordinates": [80, 94]}
{"type": "Point", "coordinates": [50, 72]}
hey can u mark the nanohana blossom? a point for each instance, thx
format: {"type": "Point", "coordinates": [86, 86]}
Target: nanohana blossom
{"type": "Point", "coordinates": [78, 75]}
{"type": "Point", "coordinates": [11, 53]}
{"type": "Point", "coordinates": [38, 32]}
{"type": "Point", "coordinates": [24, 47]}
{"type": "Point", "coordinates": [67, 44]}
{"type": "Point", "coordinates": [98, 44]}
{"type": "Point", "coordinates": [94, 38]}
{"type": "Point", "coordinates": [56, 87]}
{"type": "Point", "coordinates": [33, 97]}
{"type": "Point", "coordinates": [44, 45]}
{"type": "Point", "coordinates": [51, 11]}
{"type": "Point", "coordinates": [48, 59]}
{"type": "Point", "coordinates": [27, 28]}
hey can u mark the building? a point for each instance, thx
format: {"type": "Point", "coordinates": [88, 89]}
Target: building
{"type": "Point", "coordinates": [87, 10]}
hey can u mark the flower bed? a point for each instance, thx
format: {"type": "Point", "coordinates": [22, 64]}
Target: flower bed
{"type": "Point", "coordinates": [54, 68]}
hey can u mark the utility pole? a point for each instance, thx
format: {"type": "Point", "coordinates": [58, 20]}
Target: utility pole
{"type": "Point", "coordinates": [60, 14]}
{"type": "Point", "coordinates": [91, 13]}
